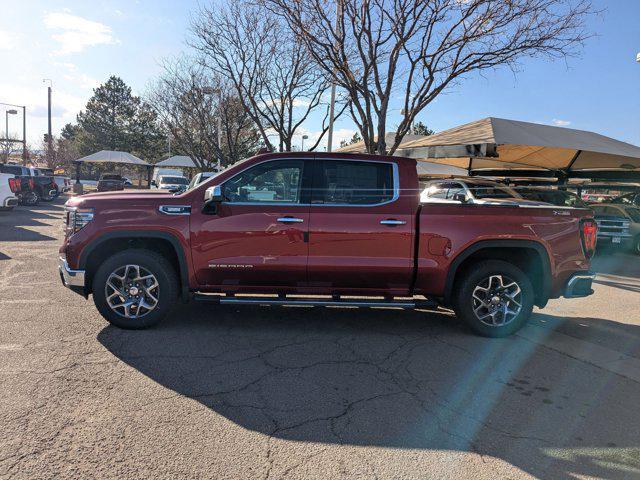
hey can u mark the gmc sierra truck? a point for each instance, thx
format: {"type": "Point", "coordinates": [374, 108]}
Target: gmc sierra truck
{"type": "Point", "coordinates": [322, 229]}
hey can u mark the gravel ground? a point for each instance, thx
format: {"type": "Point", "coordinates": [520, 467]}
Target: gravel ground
{"type": "Point", "coordinates": [259, 392]}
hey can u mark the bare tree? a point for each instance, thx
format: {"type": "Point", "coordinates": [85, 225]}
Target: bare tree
{"type": "Point", "coordinates": [275, 78]}
{"type": "Point", "coordinates": [6, 147]}
{"type": "Point", "coordinates": [189, 103]}
{"type": "Point", "coordinates": [376, 49]}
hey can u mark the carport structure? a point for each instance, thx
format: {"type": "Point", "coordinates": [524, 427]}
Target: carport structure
{"type": "Point", "coordinates": [112, 157]}
{"type": "Point", "coordinates": [508, 148]}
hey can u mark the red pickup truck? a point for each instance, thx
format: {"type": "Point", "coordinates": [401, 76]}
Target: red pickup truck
{"type": "Point", "coordinates": [322, 229]}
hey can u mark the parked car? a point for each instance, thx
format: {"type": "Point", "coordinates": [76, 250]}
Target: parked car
{"type": "Point", "coordinates": [173, 183]}
{"type": "Point", "coordinates": [199, 178]}
{"type": "Point", "coordinates": [27, 194]}
{"type": "Point", "coordinates": [618, 226]}
{"type": "Point", "coordinates": [9, 188]}
{"type": "Point", "coordinates": [360, 231]}
{"type": "Point", "coordinates": [42, 186]}
{"type": "Point", "coordinates": [477, 191]}
{"type": "Point", "coordinates": [110, 182]}
{"type": "Point", "coordinates": [628, 199]}
{"type": "Point", "coordinates": [553, 196]}
{"type": "Point", "coordinates": [63, 182]}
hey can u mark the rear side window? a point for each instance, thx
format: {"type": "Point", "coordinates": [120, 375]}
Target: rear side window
{"type": "Point", "coordinates": [11, 169]}
{"type": "Point", "coordinates": [344, 182]}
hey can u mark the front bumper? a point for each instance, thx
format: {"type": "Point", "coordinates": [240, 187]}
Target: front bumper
{"type": "Point", "coordinates": [579, 285]}
{"type": "Point", "coordinates": [620, 240]}
{"type": "Point", "coordinates": [73, 279]}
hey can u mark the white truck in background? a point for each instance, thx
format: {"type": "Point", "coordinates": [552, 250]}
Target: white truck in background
{"type": "Point", "coordinates": [9, 186]}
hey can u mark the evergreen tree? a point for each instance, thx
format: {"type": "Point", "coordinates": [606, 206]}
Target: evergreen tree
{"type": "Point", "coordinates": [114, 119]}
{"type": "Point", "coordinates": [421, 129]}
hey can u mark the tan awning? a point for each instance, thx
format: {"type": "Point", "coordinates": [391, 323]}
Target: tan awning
{"type": "Point", "coordinates": [112, 156]}
{"type": "Point", "coordinates": [496, 143]}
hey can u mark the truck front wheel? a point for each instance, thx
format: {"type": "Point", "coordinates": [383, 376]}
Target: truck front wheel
{"type": "Point", "coordinates": [494, 298]}
{"type": "Point", "coordinates": [135, 288]}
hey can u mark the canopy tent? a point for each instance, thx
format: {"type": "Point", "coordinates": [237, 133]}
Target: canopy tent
{"type": "Point", "coordinates": [110, 156]}
{"type": "Point", "coordinates": [495, 146]}
{"type": "Point", "coordinates": [177, 161]}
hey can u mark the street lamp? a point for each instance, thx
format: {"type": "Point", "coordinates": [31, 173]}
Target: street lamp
{"type": "Point", "coordinates": [304, 137]}
{"type": "Point", "coordinates": [6, 121]}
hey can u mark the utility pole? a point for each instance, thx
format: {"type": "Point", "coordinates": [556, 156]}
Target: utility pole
{"type": "Point", "coordinates": [24, 136]}
{"type": "Point", "coordinates": [333, 83]}
{"type": "Point", "coordinates": [49, 137]}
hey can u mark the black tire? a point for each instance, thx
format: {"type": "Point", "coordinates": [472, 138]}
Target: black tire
{"type": "Point", "coordinates": [154, 263]}
{"type": "Point", "coordinates": [476, 276]}
{"type": "Point", "coordinates": [46, 197]}
{"type": "Point", "coordinates": [636, 245]}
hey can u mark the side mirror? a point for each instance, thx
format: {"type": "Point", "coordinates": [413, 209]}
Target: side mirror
{"type": "Point", "coordinates": [213, 195]}
{"type": "Point", "coordinates": [460, 197]}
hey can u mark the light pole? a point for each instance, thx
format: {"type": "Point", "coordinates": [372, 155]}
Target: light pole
{"type": "Point", "coordinates": [49, 138]}
{"type": "Point", "coordinates": [304, 137]}
{"type": "Point", "coordinates": [211, 91]}
{"type": "Point", "coordinates": [6, 121]}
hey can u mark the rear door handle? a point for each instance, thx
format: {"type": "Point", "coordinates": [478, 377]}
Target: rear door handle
{"type": "Point", "coordinates": [392, 221]}
{"type": "Point", "coordinates": [290, 220]}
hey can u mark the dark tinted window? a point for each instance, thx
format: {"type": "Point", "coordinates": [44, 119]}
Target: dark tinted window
{"type": "Point", "coordinates": [12, 169]}
{"type": "Point", "coordinates": [353, 183]}
{"type": "Point", "coordinates": [111, 177]}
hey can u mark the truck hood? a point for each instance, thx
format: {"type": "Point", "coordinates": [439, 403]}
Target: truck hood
{"type": "Point", "coordinates": [129, 196]}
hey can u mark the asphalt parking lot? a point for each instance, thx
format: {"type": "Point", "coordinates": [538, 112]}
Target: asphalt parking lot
{"type": "Point", "coordinates": [258, 392]}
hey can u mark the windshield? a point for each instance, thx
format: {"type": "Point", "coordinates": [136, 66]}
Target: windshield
{"type": "Point", "coordinates": [111, 177]}
{"type": "Point", "coordinates": [634, 214]}
{"type": "Point", "coordinates": [174, 180]}
{"type": "Point", "coordinates": [198, 179]}
{"type": "Point", "coordinates": [489, 190]}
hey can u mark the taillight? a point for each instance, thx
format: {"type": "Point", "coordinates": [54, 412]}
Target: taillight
{"type": "Point", "coordinates": [31, 184]}
{"type": "Point", "coordinates": [589, 236]}
{"type": "Point", "coordinates": [14, 185]}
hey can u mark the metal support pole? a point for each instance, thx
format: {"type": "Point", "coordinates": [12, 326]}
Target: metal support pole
{"type": "Point", "coordinates": [24, 136]}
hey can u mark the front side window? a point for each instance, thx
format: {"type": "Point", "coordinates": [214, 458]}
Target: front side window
{"type": "Point", "coordinates": [345, 182]}
{"type": "Point", "coordinates": [269, 182]}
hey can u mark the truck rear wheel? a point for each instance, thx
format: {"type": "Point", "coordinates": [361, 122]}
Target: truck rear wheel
{"type": "Point", "coordinates": [494, 298]}
{"type": "Point", "coordinates": [135, 288]}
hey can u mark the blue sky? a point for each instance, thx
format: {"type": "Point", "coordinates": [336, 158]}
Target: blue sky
{"type": "Point", "coordinates": [79, 44]}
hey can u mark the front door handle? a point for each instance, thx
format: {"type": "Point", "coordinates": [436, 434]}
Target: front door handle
{"type": "Point", "coordinates": [392, 221]}
{"type": "Point", "coordinates": [290, 220]}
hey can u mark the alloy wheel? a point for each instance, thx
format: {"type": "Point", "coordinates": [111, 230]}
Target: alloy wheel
{"type": "Point", "coordinates": [497, 300]}
{"type": "Point", "coordinates": [132, 291]}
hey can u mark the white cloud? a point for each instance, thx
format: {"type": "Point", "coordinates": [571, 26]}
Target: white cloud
{"type": "Point", "coordinates": [8, 40]}
{"type": "Point", "coordinates": [561, 123]}
{"type": "Point", "coordinates": [77, 33]}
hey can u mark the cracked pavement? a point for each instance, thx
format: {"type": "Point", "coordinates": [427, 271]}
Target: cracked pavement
{"type": "Point", "coordinates": [296, 392]}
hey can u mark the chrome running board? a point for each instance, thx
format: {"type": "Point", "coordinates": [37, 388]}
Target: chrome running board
{"type": "Point", "coordinates": [313, 302]}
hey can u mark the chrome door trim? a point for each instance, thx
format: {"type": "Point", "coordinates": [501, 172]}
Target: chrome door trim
{"type": "Point", "coordinates": [290, 220]}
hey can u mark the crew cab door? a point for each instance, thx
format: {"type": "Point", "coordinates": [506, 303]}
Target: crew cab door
{"type": "Point", "coordinates": [257, 235]}
{"type": "Point", "coordinates": [361, 228]}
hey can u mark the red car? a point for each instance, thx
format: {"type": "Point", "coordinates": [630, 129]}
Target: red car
{"type": "Point", "coordinates": [323, 229]}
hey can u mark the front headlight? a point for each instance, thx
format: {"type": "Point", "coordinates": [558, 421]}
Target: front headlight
{"type": "Point", "coordinates": [77, 218]}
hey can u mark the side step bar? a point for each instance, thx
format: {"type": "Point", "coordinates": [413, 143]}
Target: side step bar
{"type": "Point", "coordinates": [314, 302]}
